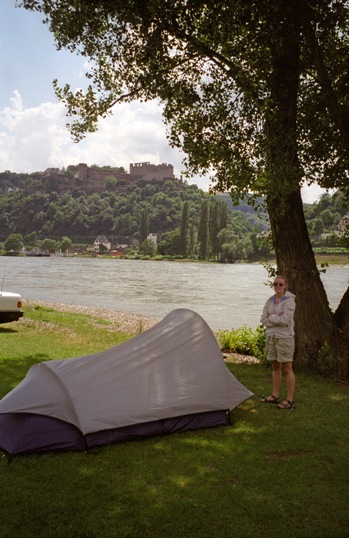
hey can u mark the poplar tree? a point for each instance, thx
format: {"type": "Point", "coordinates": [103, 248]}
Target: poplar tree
{"type": "Point", "coordinates": [143, 226]}
{"type": "Point", "coordinates": [192, 242]}
{"type": "Point", "coordinates": [218, 221]}
{"type": "Point", "coordinates": [203, 230]}
{"type": "Point", "coordinates": [184, 233]}
{"type": "Point", "coordinates": [214, 229]}
{"type": "Point", "coordinates": [223, 216]}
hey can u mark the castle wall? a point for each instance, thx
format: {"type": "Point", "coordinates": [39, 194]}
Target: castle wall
{"type": "Point", "coordinates": [147, 171]}
{"type": "Point", "coordinates": [90, 179]}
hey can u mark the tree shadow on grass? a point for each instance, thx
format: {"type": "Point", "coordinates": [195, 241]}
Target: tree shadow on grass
{"type": "Point", "coordinates": [13, 371]}
{"type": "Point", "coordinates": [8, 331]}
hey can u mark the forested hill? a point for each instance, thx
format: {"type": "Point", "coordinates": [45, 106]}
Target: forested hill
{"type": "Point", "coordinates": [30, 205]}
{"type": "Point", "coordinates": [40, 210]}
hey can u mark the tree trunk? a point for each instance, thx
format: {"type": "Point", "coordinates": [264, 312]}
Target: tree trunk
{"type": "Point", "coordinates": [320, 344]}
{"type": "Point", "coordinates": [342, 319]}
{"type": "Point", "coordinates": [342, 313]}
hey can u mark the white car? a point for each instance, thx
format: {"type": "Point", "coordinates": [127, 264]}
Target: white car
{"type": "Point", "coordinates": [10, 306]}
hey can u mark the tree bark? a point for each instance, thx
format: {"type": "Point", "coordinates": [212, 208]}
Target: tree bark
{"type": "Point", "coordinates": [342, 313]}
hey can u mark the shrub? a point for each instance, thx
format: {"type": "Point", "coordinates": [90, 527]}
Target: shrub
{"type": "Point", "coordinates": [325, 361]}
{"type": "Point", "coordinates": [245, 341]}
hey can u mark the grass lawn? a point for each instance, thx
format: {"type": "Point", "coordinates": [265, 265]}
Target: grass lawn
{"type": "Point", "coordinates": [269, 474]}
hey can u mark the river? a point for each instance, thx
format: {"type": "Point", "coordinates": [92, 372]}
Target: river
{"type": "Point", "coordinates": [226, 295]}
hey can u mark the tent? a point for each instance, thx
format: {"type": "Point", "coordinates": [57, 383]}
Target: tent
{"type": "Point", "coordinates": [171, 378]}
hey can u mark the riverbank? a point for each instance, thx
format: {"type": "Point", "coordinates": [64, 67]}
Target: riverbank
{"type": "Point", "coordinates": [332, 259]}
{"type": "Point", "coordinates": [120, 321]}
{"type": "Point", "coordinates": [124, 322]}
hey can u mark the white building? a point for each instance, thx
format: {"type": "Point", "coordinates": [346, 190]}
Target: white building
{"type": "Point", "coordinates": [153, 238]}
{"type": "Point", "coordinates": [101, 240]}
{"type": "Point", "coordinates": [343, 225]}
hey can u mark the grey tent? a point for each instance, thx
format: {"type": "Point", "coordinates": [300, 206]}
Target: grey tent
{"type": "Point", "coordinates": [171, 378]}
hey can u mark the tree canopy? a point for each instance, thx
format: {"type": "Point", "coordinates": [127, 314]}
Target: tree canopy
{"type": "Point", "coordinates": [254, 92]}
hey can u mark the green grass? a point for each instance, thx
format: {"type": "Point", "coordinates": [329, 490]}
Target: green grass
{"type": "Point", "coordinates": [44, 334]}
{"type": "Point", "coordinates": [269, 474]}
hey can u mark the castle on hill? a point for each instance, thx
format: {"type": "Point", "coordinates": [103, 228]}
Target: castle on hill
{"type": "Point", "coordinates": [95, 179]}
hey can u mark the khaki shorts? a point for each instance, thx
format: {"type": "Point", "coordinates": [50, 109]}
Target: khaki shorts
{"type": "Point", "coordinates": [280, 349]}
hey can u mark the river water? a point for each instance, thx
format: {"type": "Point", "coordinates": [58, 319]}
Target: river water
{"type": "Point", "coordinates": [226, 296]}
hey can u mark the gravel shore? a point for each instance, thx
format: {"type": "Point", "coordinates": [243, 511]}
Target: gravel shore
{"type": "Point", "coordinates": [120, 321]}
{"type": "Point", "coordinates": [124, 322]}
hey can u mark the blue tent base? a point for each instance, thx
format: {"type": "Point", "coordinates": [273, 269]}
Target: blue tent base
{"type": "Point", "coordinates": [159, 427]}
{"type": "Point", "coordinates": [21, 433]}
{"type": "Point", "coordinates": [24, 432]}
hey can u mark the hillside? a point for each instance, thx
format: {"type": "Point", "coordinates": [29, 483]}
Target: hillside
{"type": "Point", "coordinates": [83, 202]}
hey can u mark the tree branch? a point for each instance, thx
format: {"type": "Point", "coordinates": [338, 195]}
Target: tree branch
{"type": "Point", "coordinates": [339, 113]}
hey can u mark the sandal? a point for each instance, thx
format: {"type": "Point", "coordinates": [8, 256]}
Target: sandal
{"type": "Point", "coordinates": [287, 404]}
{"type": "Point", "coordinates": [270, 399]}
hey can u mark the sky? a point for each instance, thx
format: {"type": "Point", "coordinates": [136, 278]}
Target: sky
{"type": "Point", "coordinates": [33, 135]}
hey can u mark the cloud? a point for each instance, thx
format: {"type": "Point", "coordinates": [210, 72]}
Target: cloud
{"type": "Point", "coordinates": [30, 137]}
{"type": "Point", "coordinates": [36, 138]}
{"type": "Point", "coordinates": [312, 193]}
